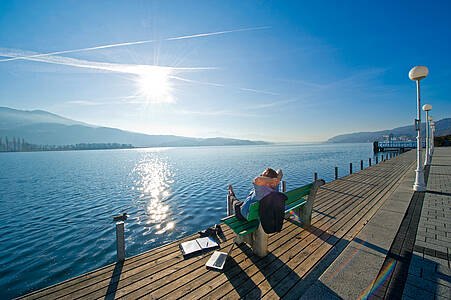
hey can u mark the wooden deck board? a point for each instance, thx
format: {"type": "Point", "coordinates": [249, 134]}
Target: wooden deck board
{"type": "Point", "coordinates": [341, 210]}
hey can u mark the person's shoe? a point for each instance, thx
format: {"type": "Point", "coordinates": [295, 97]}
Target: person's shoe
{"type": "Point", "coordinates": [219, 230]}
{"type": "Point", "coordinates": [210, 231]}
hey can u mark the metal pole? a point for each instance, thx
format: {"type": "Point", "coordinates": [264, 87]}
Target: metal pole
{"type": "Point", "coordinates": [315, 176]}
{"type": "Point", "coordinates": [419, 177]}
{"type": "Point", "coordinates": [369, 162]}
{"type": "Point", "coordinates": [336, 172]}
{"type": "Point", "coordinates": [229, 206]}
{"type": "Point", "coordinates": [120, 241]}
{"type": "Point", "coordinates": [432, 137]}
{"type": "Point", "coordinates": [350, 168]}
{"type": "Point", "coordinates": [361, 165]}
{"type": "Point", "coordinates": [284, 186]}
{"type": "Point", "coordinates": [426, 152]}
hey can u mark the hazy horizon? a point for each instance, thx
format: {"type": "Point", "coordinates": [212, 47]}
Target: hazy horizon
{"type": "Point", "coordinates": [276, 72]}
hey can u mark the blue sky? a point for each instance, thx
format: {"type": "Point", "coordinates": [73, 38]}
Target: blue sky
{"type": "Point", "coordinates": [287, 71]}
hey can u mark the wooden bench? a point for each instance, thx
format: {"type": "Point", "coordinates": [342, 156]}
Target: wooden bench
{"type": "Point", "coordinates": [251, 231]}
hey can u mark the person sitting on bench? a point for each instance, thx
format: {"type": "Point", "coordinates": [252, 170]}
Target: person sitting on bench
{"type": "Point", "coordinates": [264, 184]}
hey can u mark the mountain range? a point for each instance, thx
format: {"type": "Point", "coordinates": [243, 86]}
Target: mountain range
{"type": "Point", "coordinates": [442, 127]}
{"type": "Point", "coordinates": [45, 128]}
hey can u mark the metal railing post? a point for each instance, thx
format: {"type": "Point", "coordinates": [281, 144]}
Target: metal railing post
{"type": "Point", "coordinates": [336, 173]}
{"type": "Point", "coordinates": [361, 165]}
{"type": "Point", "coordinates": [315, 176]}
{"type": "Point", "coordinates": [350, 168]}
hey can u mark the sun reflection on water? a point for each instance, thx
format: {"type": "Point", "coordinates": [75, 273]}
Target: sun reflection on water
{"type": "Point", "coordinates": [153, 178]}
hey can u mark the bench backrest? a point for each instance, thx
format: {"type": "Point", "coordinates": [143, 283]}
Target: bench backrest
{"type": "Point", "coordinates": [292, 195]}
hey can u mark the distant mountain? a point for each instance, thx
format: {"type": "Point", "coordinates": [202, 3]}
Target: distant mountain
{"type": "Point", "coordinates": [442, 127]}
{"type": "Point", "coordinates": [10, 118]}
{"type": "Point", "coordinates": [44, 128]}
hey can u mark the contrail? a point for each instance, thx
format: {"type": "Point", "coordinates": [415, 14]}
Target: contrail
{"type": "Point", "coordinates": [216, 33]}
{"type": "Point", "coordinates": [79, 63]}
{"type": "Point", "coordinates": [196, 81]}
{"type": "Point", "coordinates": [259, 91]}
{"type": "Point", "coordinates": [135, 43]}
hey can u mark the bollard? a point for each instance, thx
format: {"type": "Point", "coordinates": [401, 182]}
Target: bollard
{"type": "Point", "coordinates": [315, 176]}
{"type": "Point", "coordinates": [120, 241]}
{"type": "Point", "coordinates": [336, 172]}
{"type": "Point", "coordinates": [369, 162]}
{"type": "Point", "coordinates": [377, 159]}
{"type": "Point", "coordinates": [350, 168]}
{"type": "Point", "coordinates": [120, 236]}
{"type": "Point", "coordinates": [361, 165]}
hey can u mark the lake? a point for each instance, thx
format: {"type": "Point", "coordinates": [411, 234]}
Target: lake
{"type": "Point", "coordinates": [57, 207]}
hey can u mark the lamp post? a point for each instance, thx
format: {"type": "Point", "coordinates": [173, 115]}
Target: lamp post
{"type": "Point", "coordinates": [417, 73]}
{"type": "Point", "coordinates": [431, 138]}
{"type": "Point", "coordinates": [427, 157]}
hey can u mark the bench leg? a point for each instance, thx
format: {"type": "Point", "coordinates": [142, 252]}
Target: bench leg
{"type": "Point", "coordinates": [244, 239]}
{"type": "Point", "coordinates": [260, 242]}
{"type": "Point", "coordinates": [305, 212]}
{"type": "Point", "coordinates": [257, 240]}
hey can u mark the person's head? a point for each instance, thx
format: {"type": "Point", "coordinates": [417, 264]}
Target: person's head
{"type": "Point", "coordinates": [270, 173]}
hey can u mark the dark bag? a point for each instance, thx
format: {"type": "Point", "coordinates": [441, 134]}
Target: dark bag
{"type": "Point", "coordinates": [272, 212]}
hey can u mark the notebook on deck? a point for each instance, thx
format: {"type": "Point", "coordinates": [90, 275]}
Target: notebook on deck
{"type": "Point", "coordinates": [198, 245]}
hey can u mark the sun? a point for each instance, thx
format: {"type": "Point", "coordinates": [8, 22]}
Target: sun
{"type": "Point", "coordinates": [154, 84]}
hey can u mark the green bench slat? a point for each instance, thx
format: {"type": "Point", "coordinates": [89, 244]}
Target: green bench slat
{"type": "Point", "coordinates": [241, 227]}
{"type": "Point", "coordinates": [294, 201]}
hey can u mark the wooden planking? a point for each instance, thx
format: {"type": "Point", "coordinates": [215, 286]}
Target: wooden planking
{"type": "Point", "coordinates": [311, 241]}
{"type": "Point", "coordinates": [286, 244]}
{"type": "Point", "coordinates": [195, 285]}
{"type": "Point", "coordinates": [341, 210]}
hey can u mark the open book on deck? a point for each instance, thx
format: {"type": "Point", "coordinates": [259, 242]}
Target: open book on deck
{"type": "Point", "coordinates": [198, 245]}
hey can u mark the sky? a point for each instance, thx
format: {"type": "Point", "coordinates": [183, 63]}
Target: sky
{"type": "Point", "coordinates": [279, 71]}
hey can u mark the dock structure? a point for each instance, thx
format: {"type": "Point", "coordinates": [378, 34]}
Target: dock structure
{"type": "Point", "coordinates": [391, 146]}
{"type": "Point", "coordinates": [360, 225]}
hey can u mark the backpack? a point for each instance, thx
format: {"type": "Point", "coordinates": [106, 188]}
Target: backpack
{"type": "Point", "coordinates": [272, 212]}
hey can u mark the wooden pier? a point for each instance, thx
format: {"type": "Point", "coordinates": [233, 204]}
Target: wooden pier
{"type": "Point", "coordinates": [342, 209]}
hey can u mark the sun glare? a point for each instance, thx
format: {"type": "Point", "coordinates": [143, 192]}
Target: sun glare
{"type": "Point", "coordinates": [155, 85]}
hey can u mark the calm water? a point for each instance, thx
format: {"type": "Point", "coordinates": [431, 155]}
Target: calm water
{"type": "Point", "coordinates": [56, 208]}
